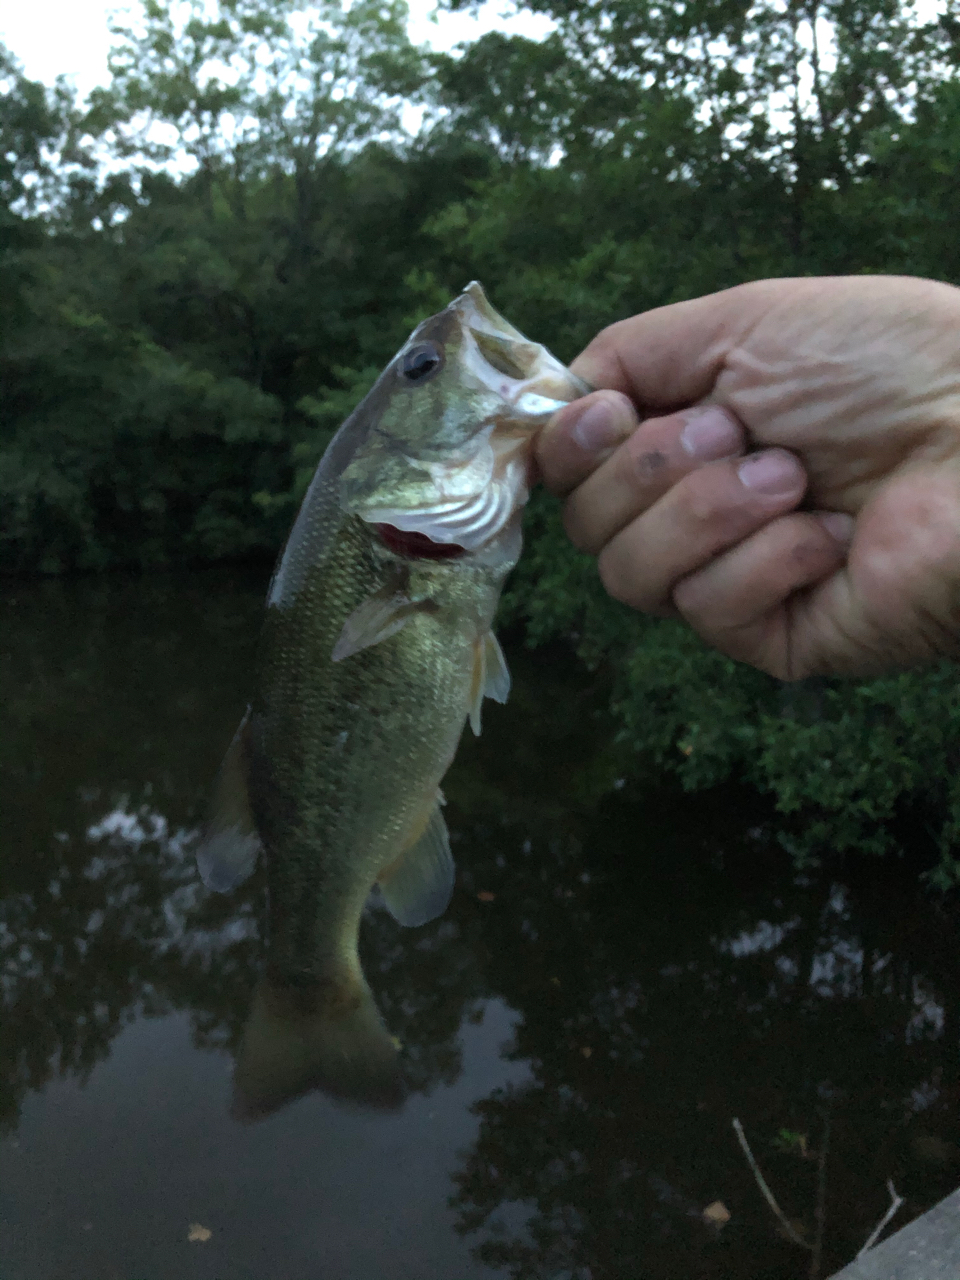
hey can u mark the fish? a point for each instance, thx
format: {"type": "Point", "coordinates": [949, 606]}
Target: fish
{"type": "Point", "coordinates": [377, 649]}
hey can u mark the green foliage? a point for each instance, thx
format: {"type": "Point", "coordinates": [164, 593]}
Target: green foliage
{"type": "Point", "coordinates": [171, 341]}
{"type": "Point", "coordinates": [788, 1140]}
{"type": "Point", "coordinates": [117, 451]}
{"type": "Point", "coordinates": [182, 330]}
{"type": "Point", "coordinates": [869, 767]}
{"type": "Point", "coordinates": [326, 411]}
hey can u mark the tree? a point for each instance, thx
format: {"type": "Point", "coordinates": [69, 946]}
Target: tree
{"type": "Point", "coordinates": [176, 321]}
{"type": "Point", "coordinates": [186, 325]}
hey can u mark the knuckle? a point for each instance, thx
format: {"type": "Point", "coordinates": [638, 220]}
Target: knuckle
{"type": "Point", "coordinates": [809, 553]}
{"type": "Point", "coordinates": [615, 581]}
{"type": "Point", "coordinates": [621, 580]}
{"type": "Point", "coordinates": [772, 662]}
{"type": "Point", "coordinates": [609, 340]}
{"type": "Point", "coordinates": [576, 526]}
{"type": "Point", "coordinates": [648, 466]}
{"type": "Point", "coordinates": [705, 505]}
{"type": "Point", "coordinates": [687, 595]}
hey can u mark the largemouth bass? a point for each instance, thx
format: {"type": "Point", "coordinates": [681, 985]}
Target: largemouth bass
{"type": "Point", "coordinates": [377, 647]}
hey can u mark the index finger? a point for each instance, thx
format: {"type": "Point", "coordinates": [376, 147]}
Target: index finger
{"type": "Point", "coordinates": [672, 357]}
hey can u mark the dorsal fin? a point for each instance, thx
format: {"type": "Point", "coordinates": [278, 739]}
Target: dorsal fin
{"type": "Point", "coordinates": [228, 850]}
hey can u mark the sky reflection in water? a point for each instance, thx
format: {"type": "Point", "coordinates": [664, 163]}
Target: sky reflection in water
{"type": "Point", "coordinates": [646, 968]}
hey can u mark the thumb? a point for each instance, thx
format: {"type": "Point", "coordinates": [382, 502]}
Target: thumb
{"type": "Point", "coordinates": [672, 357]}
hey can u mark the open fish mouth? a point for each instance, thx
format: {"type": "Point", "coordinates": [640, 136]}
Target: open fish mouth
{"type": "Point", "coordinates": [413, 545]}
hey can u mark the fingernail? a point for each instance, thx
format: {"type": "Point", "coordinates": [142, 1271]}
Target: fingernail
{"type": "Point", "coordinates": [773, 472]}
{"type": "Point", "coordinates": [710, 433]}
{"type": "Point", "coordinates": [596, 429]}
{"type": "Point", "coordinates": [839, 526]}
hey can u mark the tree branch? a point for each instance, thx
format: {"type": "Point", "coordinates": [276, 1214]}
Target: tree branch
{"type": "Point", "coordinates": [895, 1203]}
{"type": "Point", "coordinates": [762, 1184]}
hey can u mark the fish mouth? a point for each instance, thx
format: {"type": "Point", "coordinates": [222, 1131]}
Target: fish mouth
{"type": "Point", "coordinates": [526, 376]}
{"type": "Point", "coordinates": [414, 545]}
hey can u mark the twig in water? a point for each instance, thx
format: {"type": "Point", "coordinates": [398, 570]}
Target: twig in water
{"type": "Point", "coordinates": [762, 1184]}
{"type": "Point", "coordinates": [895, 1203]}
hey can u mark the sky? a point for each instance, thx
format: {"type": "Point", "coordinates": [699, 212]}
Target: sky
{"type": "Point", "coordinates": [70, 37]}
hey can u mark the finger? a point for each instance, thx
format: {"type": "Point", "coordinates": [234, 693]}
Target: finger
{"type": "Point", "coordinates": [672, 356]}
{"type": "Point", "coordinates": [895, 602]}
{"type": "Point", "coordinates": [740, 602]}
{"type": "Point", "coordinates": [704, 514]}
{"type": "Point", "coordinates": [657, 455]}
{"type": "Point", "coordinates": [579, 436]}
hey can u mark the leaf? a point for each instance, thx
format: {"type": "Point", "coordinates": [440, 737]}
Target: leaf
{"type": "Point", "coordinates": [485, 896]}
{"type": "Point", "coordinates": [198, 1234]}
{"type": "Point", "coordinates": [717, 1214]}
{"type": "Point", "coordinates": [795, 1143]}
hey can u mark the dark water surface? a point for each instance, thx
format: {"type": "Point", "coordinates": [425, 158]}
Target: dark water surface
{"type": "Point", "coordinates": [621, 972]}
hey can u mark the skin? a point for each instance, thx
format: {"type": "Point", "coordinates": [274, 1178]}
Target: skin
{"type": "Point", "coordinates": [779, 465]}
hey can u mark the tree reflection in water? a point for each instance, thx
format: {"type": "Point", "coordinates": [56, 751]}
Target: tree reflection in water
{"type": "Point", "coordinates": [116, 697]}
{"type": "Point", "coordinates": [667, 969]}
{"type": "Point", "coordinates": [668, 980]}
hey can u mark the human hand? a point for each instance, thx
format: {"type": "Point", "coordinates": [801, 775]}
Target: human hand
{"type": "Point", "coordinates": [847, 391]}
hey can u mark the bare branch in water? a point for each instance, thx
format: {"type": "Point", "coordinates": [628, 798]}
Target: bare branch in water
{"type": "Point", "coordinates": [895, 1203]}
{"type": "Point", "coordinates": [767, 1193]}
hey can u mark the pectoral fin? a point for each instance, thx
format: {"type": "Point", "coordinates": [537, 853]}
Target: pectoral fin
{"type": "Point", "coordinates": [418, 886]}
{"type": "Point", "coordinates": [228, 851]}
{"type": "Point", "coordinates": [491, 678]}
{"type": "Point", "coordinates": [497, 683]}
{"type": "Point", "coordinates": [383, 615]}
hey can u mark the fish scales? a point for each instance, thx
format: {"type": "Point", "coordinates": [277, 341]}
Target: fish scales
{"type": "Point", "coordinates": [323, 730]}
{"type": "Point", "coordinates": [376, 648]}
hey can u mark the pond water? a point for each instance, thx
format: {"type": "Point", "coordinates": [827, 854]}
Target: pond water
{"type": "Point", "coordinates": [622, 971]}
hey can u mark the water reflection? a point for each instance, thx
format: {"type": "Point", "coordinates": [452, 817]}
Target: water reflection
{"type": "Point", "coordinates": [633, 969]}
{"type": "Point", "coordinates": [649, 1029]}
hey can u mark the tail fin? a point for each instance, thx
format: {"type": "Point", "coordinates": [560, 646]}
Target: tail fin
{"type": "Point", "coordinates": [301, 1038]}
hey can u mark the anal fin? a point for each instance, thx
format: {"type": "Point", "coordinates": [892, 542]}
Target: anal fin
{"type": "Point", "coordinates": [228, 850]}
{"type": "Point", "coordinates": [417, 887]}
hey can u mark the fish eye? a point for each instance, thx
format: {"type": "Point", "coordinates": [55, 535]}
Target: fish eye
{"type": "Point", "coordinates": [421, 363]}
